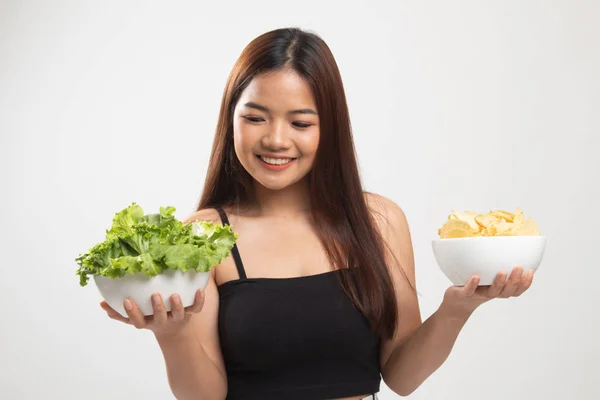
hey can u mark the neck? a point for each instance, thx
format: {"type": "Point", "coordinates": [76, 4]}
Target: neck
{"type": "Point", "coordinates": [290, 201]}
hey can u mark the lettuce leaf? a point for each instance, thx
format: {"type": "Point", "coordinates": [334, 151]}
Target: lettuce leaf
{"type": "Point", "coordinates": [153, 243]}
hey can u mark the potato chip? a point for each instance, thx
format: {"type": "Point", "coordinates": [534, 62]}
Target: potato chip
{"type": "Point", "coordinates": [527, 228]}
{"type": "Point", "coordinates": [507, 216]}
{"type": "Point", "coordinates": [493, 223]}
{"type": "Point", "coordinates": [490, 231]}
{"type": "Point", "coordinates": [468, 217]}
{"type": "Point", "coordinates": [455, 228]}
{"type": "Point", "coordinates": [502, 228]}
{"type": "Point", "coordinates": [485, 220]}
{"type": "Point", "coordinates": [519, 218]}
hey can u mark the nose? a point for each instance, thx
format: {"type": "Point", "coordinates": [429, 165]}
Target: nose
{"type": "Point", "coordinates": [277, 137]}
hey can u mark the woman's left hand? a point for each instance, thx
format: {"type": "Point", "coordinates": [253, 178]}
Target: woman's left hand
{"type": "Point", "coordinates": [465, 299]}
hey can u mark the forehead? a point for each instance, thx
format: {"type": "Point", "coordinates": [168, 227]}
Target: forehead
{"type": "Point", "coordinates": [279, 91]}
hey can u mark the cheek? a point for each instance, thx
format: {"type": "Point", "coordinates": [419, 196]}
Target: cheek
{"type": "Point", "coordinates": [243, 140]}
{"type": "Point", "coordinates": [309, 144]}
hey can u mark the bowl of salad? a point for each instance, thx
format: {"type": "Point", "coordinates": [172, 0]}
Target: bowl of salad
{"type": "Point", "coordinates": [144, 254]}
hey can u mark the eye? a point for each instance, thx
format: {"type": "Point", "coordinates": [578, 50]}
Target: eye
{"type": "Point", "coordinates": [256, 120]}
{"type": "Point", "coordinates": [301, 125]}
{"type": "Point", "coordinates": [253, 119]}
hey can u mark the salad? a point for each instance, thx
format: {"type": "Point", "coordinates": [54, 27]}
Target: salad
{"type": "Point", "coordinates": [153, 243]}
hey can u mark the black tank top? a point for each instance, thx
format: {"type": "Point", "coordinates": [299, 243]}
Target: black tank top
{"type": "Point", "coordinates": [294, 338]}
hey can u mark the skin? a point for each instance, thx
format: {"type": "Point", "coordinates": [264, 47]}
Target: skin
{"type": "Point", "coordinates": [279, 223]}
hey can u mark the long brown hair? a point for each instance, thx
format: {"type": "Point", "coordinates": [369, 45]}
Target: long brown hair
{"type": "Point", "coordinates": [339, 210]}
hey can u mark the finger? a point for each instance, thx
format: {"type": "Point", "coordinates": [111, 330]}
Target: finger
{"type": "Point", "coordinates": [198, 303]}
{"type": "Point", "coordinates": [471, 286]}
{"type": "Point", "coordinates": [525, 283]}
{"type": "Point", "coordinates": [512, 284]}
{"type": "Point", "coordinates": [177, 313]}
{"type": "Point", "coordinates": [112, 313]}
{"type": "Point", "coordinates": [497, 285]}
{"type": "Point", "coordinates": [159, 310]}
{"type": "Point", "coordinates": [134, 314]}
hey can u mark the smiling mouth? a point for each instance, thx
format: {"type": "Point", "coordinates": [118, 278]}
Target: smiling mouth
{"type": "Point", "coordinates": [275, 161]}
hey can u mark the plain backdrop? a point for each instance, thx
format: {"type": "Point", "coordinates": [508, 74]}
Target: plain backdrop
{"type": "Point", "coordinates": [466, 105]}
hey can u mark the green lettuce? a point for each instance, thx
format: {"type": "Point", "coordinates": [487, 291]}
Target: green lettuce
{"type": "Point", "coordinates": [153, 243]}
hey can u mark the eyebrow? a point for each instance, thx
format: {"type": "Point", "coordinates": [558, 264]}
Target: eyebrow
{"type": "Point", "coordinates": [251, 104]}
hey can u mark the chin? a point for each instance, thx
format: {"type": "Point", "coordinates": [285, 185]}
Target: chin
{"type": "Point", "coordinates": [278, 183]}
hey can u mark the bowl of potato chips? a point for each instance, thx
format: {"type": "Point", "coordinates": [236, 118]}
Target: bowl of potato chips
{"type": "Point", "coordinates": [472, 243]}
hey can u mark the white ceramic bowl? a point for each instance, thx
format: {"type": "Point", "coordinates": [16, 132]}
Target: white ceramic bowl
{"type": "Point", "coordinates": [461, 258]}
{"type": "Point", "coordinates": [141, 287]}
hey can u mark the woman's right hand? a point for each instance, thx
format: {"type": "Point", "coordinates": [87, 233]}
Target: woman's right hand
{"type": "Point", "coordinates": [162, 323]}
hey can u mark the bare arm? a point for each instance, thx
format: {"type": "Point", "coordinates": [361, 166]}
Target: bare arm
{"type": "Point", "coordinates": [423, 352]}
{"type": "Point", "coordinates": [193, 360]}
{"type": "Point", "coordinates": [394, 229]}
{"type": "Point", "coordinates": [192, 357]}
{"type": "Point", "coordinates": [417, 349]}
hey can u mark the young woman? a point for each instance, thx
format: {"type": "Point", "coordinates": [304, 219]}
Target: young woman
{"type": "Point", "coordinates": [318, 298]}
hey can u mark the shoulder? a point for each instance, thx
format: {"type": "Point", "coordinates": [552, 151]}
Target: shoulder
{"type": "Point", "coordinates": [207, 214]}
{"type": "Point", "coordinates": [382, 205]}
{"type": "Point", "coordinates": [393, 227]}
{"type": "Point", "coordinates": [389, 216]}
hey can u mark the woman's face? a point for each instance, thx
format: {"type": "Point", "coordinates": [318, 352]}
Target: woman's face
{"type": "Point", "coordinates": [276, 129]}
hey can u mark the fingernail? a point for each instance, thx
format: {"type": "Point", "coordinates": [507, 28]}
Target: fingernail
{"type": "Point", "coordinates": [176, 300]}
{"type": "Point", "coordinates": [155, 299]}
{"type": "Point", "coordinates": [128, 305]}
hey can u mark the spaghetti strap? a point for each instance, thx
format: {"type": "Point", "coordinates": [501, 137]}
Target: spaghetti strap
{"type": "Point", "coordinates": [234, 251]}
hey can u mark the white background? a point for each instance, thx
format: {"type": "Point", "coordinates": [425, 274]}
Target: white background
{"type": "Point", "coordinates": [455, 105]}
